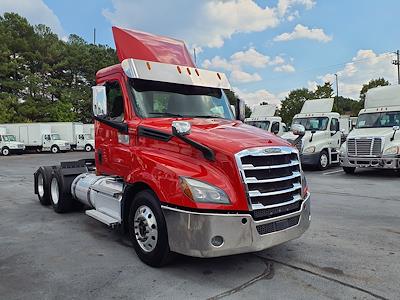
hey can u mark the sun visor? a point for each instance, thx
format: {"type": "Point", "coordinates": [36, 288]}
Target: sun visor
{"type": "Point", "coordinates": [317, 106]}
{"type": "Point", "coordinates": [144, 46]}
{"type": "Point", "coordinates": [263, 111]}
{"type": "Point", "coordinates": [383, 96]}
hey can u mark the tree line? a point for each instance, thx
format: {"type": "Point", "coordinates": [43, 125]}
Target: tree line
{"type": "Point", "coordinates": [44, 78]}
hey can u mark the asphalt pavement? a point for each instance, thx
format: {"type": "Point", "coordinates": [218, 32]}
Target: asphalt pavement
{"type": "Point", "coordinates": [351, 250]}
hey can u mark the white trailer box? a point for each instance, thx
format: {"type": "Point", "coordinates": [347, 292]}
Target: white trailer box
{"type": "Point", "coordinates": [89, 129]}
{"type": "Point", "coordinates": [38, 136]}
{"type": "Point", "coordinates": [9, 143]}
{"type": "Point", "coordinates": [73, 132]}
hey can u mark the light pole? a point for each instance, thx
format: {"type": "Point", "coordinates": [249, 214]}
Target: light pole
{"type": "Point", "coordinates": [337, 86]}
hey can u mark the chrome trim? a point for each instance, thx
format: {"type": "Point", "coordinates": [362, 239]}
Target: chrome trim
{"type": "Point", "coordinates": [277, 179]}
{"type": "Point", "coordinates": [251, 167]}
{"type": "Point", "coordinates": [258, 206]}
{"type": "Point", "coordinates": [258, 194]}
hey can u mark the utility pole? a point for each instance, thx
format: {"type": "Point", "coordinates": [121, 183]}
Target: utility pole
{"type": "Point", "coordinates": [337, 86]}
{"type": "Point", "coordinates": [94, 36]}
{"type": "Point", "coordinates": [396, 62]}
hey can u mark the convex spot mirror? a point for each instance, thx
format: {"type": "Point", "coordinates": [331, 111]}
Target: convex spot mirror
{"type": "Point", "coordinates": [298, 129]}
{"type": "Point", "coordinates": [99, 101]}
{"type": "Point", "coordinates": [181, 128]}
{"type": "Point", "coordinates": [396, 127]}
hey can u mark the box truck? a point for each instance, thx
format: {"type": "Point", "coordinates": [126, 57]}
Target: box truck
{"type": "Point", "coordinates": [38, 136]}
{"type": "Point", "coordinates": [9, 143]}
{"type": "Point", "coordinates": [321, 143]}
{"type": "Point", "coordinates": [263, 116]}
{"type": "Point", "coordinates": [173, 167]}
{"type": "Point", "coordinates": [375, 142]}
{"type": "Point", "coordinates": [73, 132]}
{"type": "Point", "coordinates": [89, 129]}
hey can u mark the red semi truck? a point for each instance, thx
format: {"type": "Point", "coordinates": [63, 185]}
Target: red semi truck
{"type": "Point", "coordinates": [173, 166]}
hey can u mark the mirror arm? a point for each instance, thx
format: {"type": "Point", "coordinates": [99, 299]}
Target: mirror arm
{"type": "Point", "coordinates": [394, 133]}
{"type": "Point", "coordinates": [121, 127]}
{"type": "Point", "coordinates": [207, 152]}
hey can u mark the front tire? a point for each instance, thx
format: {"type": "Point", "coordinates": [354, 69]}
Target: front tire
{"type": "Point", "coordinates": [323, 161]}
{"type": "Point", "coordinates": [148, 230]}
{"type": "Point", "coordinates": [349, 170]}
{"type": "Point", "coordinates": [88, 148]}
{"type": "Point", "coordinates": [54, 149]}
{"type": "Point", "coordinates": [5, 151]}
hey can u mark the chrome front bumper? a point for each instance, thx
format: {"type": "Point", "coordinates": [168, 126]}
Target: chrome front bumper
{"type": "Point", "coordinates": [370, 162]}
{"type": "Point", "coordinates": [190, 233]}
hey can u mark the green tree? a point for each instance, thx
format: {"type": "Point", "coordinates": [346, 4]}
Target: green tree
{"type": "Point", "coordinates": [293, 103]}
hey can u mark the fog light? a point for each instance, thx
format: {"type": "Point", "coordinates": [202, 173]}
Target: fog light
{"type": "Point", "coordinates": [217, 241]}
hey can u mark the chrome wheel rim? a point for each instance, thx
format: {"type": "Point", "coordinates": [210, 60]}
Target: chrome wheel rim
{"type": "Point", "coordinates": [324, 160]}
{"type": "Point", "coordinates": [40, 185]}
{"type": "Point", "coordinates": [88, 148]}
{"type": "Point", "coordinates": [5, 152]}
{"type": "Point", "coordinates": [54, 191]}
{"type": "Point", "coordinates": [54, 150]}
{"type": "Point", "coordinates": [145, 228]}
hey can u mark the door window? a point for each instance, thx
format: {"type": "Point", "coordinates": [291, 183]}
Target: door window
{"type": "Point", "coordinates": [334, 125]}
{"type": "Point", "coordinates": [275, 127]}
{"type": "Point", "coordinates": [115, 101]}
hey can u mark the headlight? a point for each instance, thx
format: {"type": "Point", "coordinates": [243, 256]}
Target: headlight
{"type": "Point", "coordinates": [309, 149]}
{"type": "Point", "coordinates": [200, 191]}
{"type": "Point", "coordinates": [392, 150]}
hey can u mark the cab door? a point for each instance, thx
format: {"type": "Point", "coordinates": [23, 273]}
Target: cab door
{"type": "Point", "coordinates": [113, 153]}
{"type": "Point", "coordinates": [335, 133]}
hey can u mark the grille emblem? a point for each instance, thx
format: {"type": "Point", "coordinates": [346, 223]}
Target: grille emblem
{"type": "Point", "coordinates": [272, 150]}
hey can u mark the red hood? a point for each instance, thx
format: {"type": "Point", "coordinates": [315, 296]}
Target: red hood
{"type": "Point", "coordinates": [223, 135]}
{"type": "Point", "coordinates": [145, 46]}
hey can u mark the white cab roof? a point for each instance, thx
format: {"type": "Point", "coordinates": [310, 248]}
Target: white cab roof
{"type": "Point", "coordinates": [263, 111]}
{"type": "Point", "coordinates": [317, 106]}
{"type": "Point", "coordinates": [383, 96]}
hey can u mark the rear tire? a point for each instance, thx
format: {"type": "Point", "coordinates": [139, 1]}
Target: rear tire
{"type": "Point", "coordinates": [60, 196]}
{"type": "Point", "coordinates": [5, 151]}
{"type": "Point", "coordinates": [349, 170]}
{"type": "Point", "coordinates": [42, 184]}
{"type": "Point", "coordinates": [323, 161]}
{"type": "Point", "coordinates": [54, 149]}
{"type": "Point", "coordinates": [148, 230]}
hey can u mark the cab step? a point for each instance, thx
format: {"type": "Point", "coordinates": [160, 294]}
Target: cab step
{"type": "Point", "coordinates": [103, 218]}
{"type": "Point", "coordinates": [334, 157]}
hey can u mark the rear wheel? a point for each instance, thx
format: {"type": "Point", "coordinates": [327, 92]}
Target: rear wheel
{"type": "Point", "coordinates": [42, 184]}
{"type": "Point", "coordinates": [148, 230]}
{"type": "Point", "coordinates": [323, 161]}
{"type": "Point", "coordinates": [5, 151]}
{"type": "Point", "coordinates": [88, 148]}
{"type": "Point", "coordinates": [60, 197]}
{"type": "Point", "coordinates": [54, 149]}
{"type": "Point", "coordinates": [349, 170]}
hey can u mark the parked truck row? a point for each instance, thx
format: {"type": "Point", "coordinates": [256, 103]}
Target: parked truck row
{"type": "Point", "coordinates": [53, 137]}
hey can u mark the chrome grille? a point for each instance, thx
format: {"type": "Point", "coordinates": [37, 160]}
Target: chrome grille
{"type": "Point", "coordinates": [364, 146]}
{"type": "Point", "coordinates": [272, 177]}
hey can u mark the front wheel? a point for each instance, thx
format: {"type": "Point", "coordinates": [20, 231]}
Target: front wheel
{"type": "Point", "coordinates": [323, 161]}
{"type": "Point", "coordinates": [88, 148]}
{"type": "Point", "coordinates": [54, 149]}
{"type": "Point", "coordinates": [5, 151]}
{"type": "Point", "coordinates": [148, 230]}
{"type": "Point", "coordinates": [349, 170]}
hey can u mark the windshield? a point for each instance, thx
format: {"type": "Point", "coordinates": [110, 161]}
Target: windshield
{"type": "Point", "coordinates": [381, 119]}
{"type": "Point", "coordinates": [88, 136]}
{"type": "Point", "coordinates": [9, 138]}
{"type": "Point", "coordinates": [55, 137]}
{"type": "Point", "coordinates": [260, 124]}
{"type": "Point", "coordinates": [155, 99]}
{"type": "Point", "coordinates": [313, 123]}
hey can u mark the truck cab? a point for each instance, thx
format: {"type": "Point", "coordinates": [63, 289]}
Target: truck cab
{"type": "Point", "coordinates": [375, 142]}
{"type": "Point", "coordinates": [9, 143]}
{"type": "Point", "coordinates": [321, 143]}
{"type": "Point", "coordinates": [53, 142]}
{"type": "Point", "coordinates": [263, 116]}
{"type": "Point", "coordinates": [172, 164]}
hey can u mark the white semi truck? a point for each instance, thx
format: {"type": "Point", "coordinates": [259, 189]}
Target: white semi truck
{"type": "Point", "coordinates": [321, 143]}
{"type": "Point", "coordinates": [263, 116]}
{"type": "Point", "coordinates": [74, 133]}
{"type": "Point", "coordinates": [9, 144]}
{"type": "Point", "coordinates": [38, 136]}
{"type": "Point", "coordinates": [375, 142]}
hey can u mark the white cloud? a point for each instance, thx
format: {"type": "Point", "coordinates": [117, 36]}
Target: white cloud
{"type": "Point", "coordinates": [36, 11]}
{"type": "Point", "coordinates": [285, 5]}
{"type": "Point", "coordinates": [258, 96]}
{"type": "Point", "coordinates": [278, 60]}
{"type": "Point", "coordinates": [287, 68]}
{"type": "Point", "coordinates": [366, 65]}
{"type": "Point", "coordinates": [201, 23]}
{"type": "Point", "coordinates": [303, 32]}
{"type": "Point", "coordinates": [250, 57]}
{"type": "Point", "coordinates": [219, 63]}
{"type": "Point", "coordinates": [243, 77]}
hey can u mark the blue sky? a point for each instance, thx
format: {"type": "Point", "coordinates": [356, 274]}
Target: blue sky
{"type": "Point", "coordinates": [266, 48]}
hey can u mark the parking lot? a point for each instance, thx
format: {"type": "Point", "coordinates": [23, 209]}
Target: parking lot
{"type": "Point", "coordinates": [351, 250]}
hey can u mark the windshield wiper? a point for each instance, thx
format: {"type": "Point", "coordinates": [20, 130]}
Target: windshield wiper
{"type": "Point", "coordinates": [206, 116]}
{"type": "Point", "coordinates": [167, 114]}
